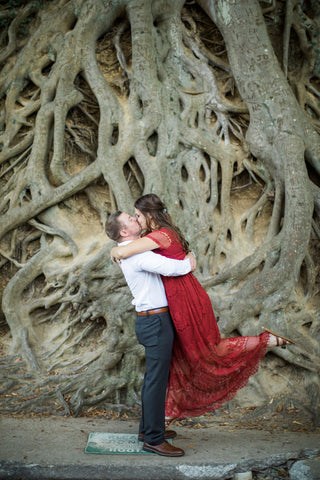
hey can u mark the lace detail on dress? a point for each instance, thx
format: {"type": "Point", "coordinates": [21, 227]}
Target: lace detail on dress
{"type": "Point", "coordinates": [161, 237]}
{"type": "Point", "coordinates": [206, 370]}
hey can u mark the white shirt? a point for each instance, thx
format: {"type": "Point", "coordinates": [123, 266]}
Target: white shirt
{"type": "Point", "coordinates": [142, 273]}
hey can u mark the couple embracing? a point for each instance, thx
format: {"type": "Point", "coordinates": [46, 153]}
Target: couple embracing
{"type": "Point", "coordinates": [190, 369]}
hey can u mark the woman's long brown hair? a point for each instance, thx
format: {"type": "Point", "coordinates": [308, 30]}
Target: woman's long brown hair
{"type": "Point", "coordinates": [156, 213]}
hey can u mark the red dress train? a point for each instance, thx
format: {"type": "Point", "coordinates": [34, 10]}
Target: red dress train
{"type": "Point", "coordinates": [206, 370]}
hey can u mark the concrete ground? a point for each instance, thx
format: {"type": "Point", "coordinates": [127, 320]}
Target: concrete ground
{"type": "Point", "coordinates": [43, 448]}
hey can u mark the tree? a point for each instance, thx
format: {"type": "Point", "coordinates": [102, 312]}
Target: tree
{"type": "Point", "coordinates": [214, 106]}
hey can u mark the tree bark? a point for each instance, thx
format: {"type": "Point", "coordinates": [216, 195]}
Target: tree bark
{"type": "Point", "coordinates": [209, 104]}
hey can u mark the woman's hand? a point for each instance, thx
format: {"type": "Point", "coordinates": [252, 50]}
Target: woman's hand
{"type": "Point", "coordinates": [114, 254]}
{"type": "Point", "coordinates": [193, 261]}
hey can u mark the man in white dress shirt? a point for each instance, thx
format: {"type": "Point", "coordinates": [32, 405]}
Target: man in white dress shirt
{"type": "Point", "coordinates": [154, 328]}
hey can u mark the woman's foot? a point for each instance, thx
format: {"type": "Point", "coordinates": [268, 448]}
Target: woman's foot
{"type": "Point", "coordinates": [276, 340]}
{"type": "Point", "coordinates": [168, 421]}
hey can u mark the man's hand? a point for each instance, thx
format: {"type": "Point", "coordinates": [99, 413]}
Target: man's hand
{"type": "Point", "coordinates": [193, 261]}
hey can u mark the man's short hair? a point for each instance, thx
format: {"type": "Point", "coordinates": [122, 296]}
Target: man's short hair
{"type": "Point", "coordinates": [114, 226]}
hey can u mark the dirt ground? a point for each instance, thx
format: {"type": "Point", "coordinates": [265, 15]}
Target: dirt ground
{"type": "Point", "coordinates": [276, 416]}
{"type": "Point", "coordinates": [270, 418]}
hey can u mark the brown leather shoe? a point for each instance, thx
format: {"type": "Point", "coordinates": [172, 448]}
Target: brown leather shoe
{"type": "Point", "coordinates": [167, 435]}
{"type": "Point", "coordinates": [165, 449]}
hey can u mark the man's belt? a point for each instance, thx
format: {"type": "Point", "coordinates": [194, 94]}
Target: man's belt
{"type": "Point", "coordinates": [153, 312]}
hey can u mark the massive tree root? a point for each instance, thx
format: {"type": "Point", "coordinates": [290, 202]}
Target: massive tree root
{"type": "Point", "coordinates": [104, 100]}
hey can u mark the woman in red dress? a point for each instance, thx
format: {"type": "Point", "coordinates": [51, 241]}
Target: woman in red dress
{"type": "Point", "coordinates": [206, 370]}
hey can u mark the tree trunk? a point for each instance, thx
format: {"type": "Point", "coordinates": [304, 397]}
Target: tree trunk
{"type": "Point", "coordinates": [212, 105]}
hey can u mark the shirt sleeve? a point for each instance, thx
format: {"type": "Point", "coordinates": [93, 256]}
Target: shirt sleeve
{"type": "Point", "coordinates": [169, 267]}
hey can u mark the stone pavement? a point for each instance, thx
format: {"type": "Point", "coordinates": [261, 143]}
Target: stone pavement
{"type": "Point", "coordinates": [52, 448]}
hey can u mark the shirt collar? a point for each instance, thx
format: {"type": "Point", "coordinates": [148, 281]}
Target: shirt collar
{"type": "Point", "coordinates": [125, 242]}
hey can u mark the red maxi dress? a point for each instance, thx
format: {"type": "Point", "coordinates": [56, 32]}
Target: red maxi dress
{"type": "Point", "coordinates": [206, 370]}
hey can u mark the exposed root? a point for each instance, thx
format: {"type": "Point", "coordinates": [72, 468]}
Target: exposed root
{"type": "Point", "coordinates": [104, 101]}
